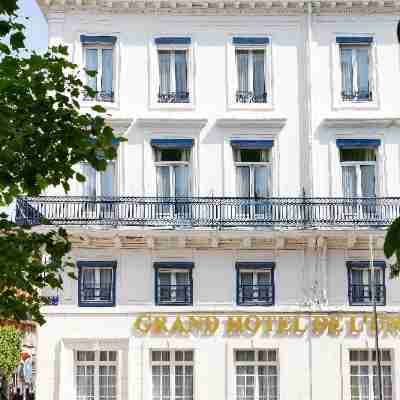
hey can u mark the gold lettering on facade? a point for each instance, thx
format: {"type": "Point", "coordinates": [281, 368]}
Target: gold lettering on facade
{"type": "Point", "coordinates": [142, 324]}
{"type": "Point", "coordinates": [234, 325]}
{"type": "Point", "coordinates": [295, 326]}
{"type": "Point", "coordinates": [252, 324]}
{"type": "Point", "coordinates": [353, 326]}
{"type": "Point", "coordinates": [283, 325]}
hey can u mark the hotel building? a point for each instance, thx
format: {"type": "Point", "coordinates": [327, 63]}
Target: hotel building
{"type": "Point", "coordinates": [225, 254]}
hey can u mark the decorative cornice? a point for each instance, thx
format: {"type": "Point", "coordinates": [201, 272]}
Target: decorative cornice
{"type": "Point", "coordinates": [193, 123]}
{"type": "Point", "coordinates": [121, 124]}
{"type": "Point", "coordinates": [361, 122]}
{"type": "Point", "coordinates": [266, 123]}
{"type": "Point", "coordinates": [235, 7]}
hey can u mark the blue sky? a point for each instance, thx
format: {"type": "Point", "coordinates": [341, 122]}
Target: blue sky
{"type": "Point", "coordinates": [36, 26]}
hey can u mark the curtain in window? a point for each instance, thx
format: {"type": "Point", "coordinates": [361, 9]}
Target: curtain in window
{"type": "Point", "coordinates": [368, 180]}
{"type": "Point", "coordinates": [181, 73]}
{"type": "Point", "coordinates": [259, 74]}
{"type": "Point", "coordinates": [347, 71]}
{"type": "Point", "coordinates": [91, 64]}
{"type": "Point", "coordinates": [105, 283]}
{"type": "Point", "coordinates": [246, 281]}
{"type": "Point", "coordinates": [89, 186]}
{"type": "Point", "coordinates": [263, 279]}
{"type": "Point", "coordinates": [363, 72]}
{"type": "Point", "coordinates": [108, 382]}
{"type": "Point", "coordinates": [181, 181]}
{"type": "Point", "coordinates": [262, 182]}
{"type": "Point", "coordinates": [163, 182]}
{"type": "Point", "coordinates": [242, 61]}
{"type": "Point", "coordinates": [349, 181]}
{"type": "Point", "coordinates": [182, 280]}
{"type": "Point", "coordinates": [268, 382]}
{"type": "Point", "coordinates": [107, 73]}
{"type": "Point", "coordinates": [89, 284]}
{"type": "Point", "coordinates": [357, 280]}
{"type": "Point", "coordinates": [107, 181]}
{"type": "Point", "coordinates": [243, 181]}
{"type": "Point", "coordinates": [164, 61]}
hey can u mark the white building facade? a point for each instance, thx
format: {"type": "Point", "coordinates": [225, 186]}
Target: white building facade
{"type": "Point", "coordinates": [226, 253]}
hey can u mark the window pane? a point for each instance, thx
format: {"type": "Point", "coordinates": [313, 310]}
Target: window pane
{"type": "Point", "coordinates": [262, 182]}
{"type": "Point", "coordinates": [363, 72]}
{"type": "Point", "coordinates": [349, 181]}
{"type": "Point", "coordinates": [89, 186]}
{"type": "Point", "coordinates": [181, 181]}
{"type": "Point", "coordinates": [107, 74]}
{"type": "Point", "coordinates": [242, 61]}
{"type": "Point", "coordinates": [172, 155]}
{"type": "Point", "coordinates": [91, 65]}
{"type": "Point", "coordinates": [347, 71]}
{"type": "Point", "coordinates": [243, 181]}
{"type": "Point", "coordinates": [259, 75]}
{"type": "Point", "coordinates": [164, 60]}
{"type": "Point", "coordinates": [181, 74]}
{"type": "Point", "coordinates": [163, 182]}
{"type": "Point", "coordinates": [361, 154]}
{"type": "Point", "coordinates": [107, 180]}
{"type": "Point", "coordinates": [245, 355]}
{"type": "Point", "coordinates": [368, 180]}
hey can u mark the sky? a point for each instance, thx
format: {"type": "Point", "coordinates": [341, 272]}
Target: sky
{"type": "Point", "coordinates": [36, 26]}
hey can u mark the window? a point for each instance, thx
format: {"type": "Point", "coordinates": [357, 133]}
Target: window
{"type": "Point", "coordinates": [358, 163]}
{"type": "Point", "coordinates": [174, 285]}
{"type": "Point", "coordinates": [98, 54]}
{"type": "Point", "coordinates": [364, 374]}
{"type": "Point", "coordinates": [256, 374]}
{"type": "Point", "coordinates": [172, 375]}
{"type": "Point", "coordinates": [98, 183]}
{"type": "Point", "coordinates": [96, 280]}
{"type": "Point", "coordinates": [255, 283]}
{"type": "Point", "coordinates": [355, 62]}
{"type": "Point", "coordinates": [251, 69]}
{"type": "Point", "coordinates": [96, 375]}
{"type": "Point", "coordinates": [172, 160]}
{"type": "Point", "coordinates": [360, 282]}
{"type": "Point", "coordinates": [173, 69]}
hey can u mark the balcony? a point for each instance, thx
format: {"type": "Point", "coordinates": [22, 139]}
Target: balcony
{"type": "Point", "coordinates": [224, 212]}
{"type": "Point", "coordinates": [174, 294]}
{"type": "Point", "coordinates": [357, 96]}
{"type": "Point", "coordinates": [250, 97]}
{"type": "Point", "coordinates": [256, 294]}
{"type": "Point", "coordinates": [173, 97]}
{"type": "Point", "coordinates": [362, 294]}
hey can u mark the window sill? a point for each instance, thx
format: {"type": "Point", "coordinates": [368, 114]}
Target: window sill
{"type": "Point", "coordinates": [251, 107]}
{"type": "Point", "coordinates": [172, 106]}
{"type": "Point", "coordinates": [356, 105]}
{"type": "Point", "coordinates": [95, 305]}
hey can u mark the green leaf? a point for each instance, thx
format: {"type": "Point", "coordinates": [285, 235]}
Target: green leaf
{"type": "Point", "coordinates": [392, 239]}
{"type": "Point", "coordinates": [98, 108]}
{"type": "Point", "coordinates": [79, 177]}
{"type": "Point", "coordinates": [17, 40]}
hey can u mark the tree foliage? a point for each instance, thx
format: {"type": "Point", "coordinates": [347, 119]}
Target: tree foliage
{"type": "Point", "coordinates": [391, 247]}
{"type": "Point", "coordinates": [43, 136]}
{"type": "Point", "coordinates": [10, 349]}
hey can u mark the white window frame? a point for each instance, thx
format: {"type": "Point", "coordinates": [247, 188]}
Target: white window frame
{"type": "Point", "coordinates": [90, 102]}
{"type": "Point", "coordinates": [172, 364]}
{"type": "Point", "coordinates": [357, 165]}
{"type": "Point", "coordinates": [370, 364]}
{"type": "Point", "coordinates": [337, 101]}
{"type": "Point", "coordinates": [171, 165]}
{"type": "Point", "coordinates": [154, 73]}
{"type": "Point", "coordinates": [98, 179]}
{"type": "Point", "coordinates": [233, 83]}
{"type": "Point", "coordinates": [97, 363]}
{"type": "Point", "coordinates": [253, 165]}
{"type": "Point", "coordinates": [255, 364]}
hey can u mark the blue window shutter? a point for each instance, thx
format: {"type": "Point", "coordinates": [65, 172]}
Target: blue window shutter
{"type": "Point", "coordinates": [174, 265]}
{"type": "Point", "coordinates": [354, 143]}
{"type": "Point", "coordinates": [365, 264]}
{"type": "Point", "coordinates": [255, 265]}
{"type": "Point", "coordinates": [173, 40]}
{"type": "Point", "coordinates": [172, 143]}
{"type": "Point", "coordinates": [354, 40]}
{"type": "Point", "coordinates": [86, 39]}
{"type": "Point", "coordinates": [250, 41]}
{"type": "Point", "coordinates": [252, 144]}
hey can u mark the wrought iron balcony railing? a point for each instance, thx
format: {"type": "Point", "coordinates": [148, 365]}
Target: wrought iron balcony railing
{"type": "Point", "coordinates": [363, 294]}
{"type": "Point", "coordinates": [173, 97]}
{"type": "Point", "coordinates": [300, 212]}
{"type": "Point", "coordinates": [250, 97]}
{"type": "Point", "coordinates": [256, 294]}
{"type": "Point", "coordinates": [364, 95]}
{"type": "Point", "coordinates": [96, 294]}
{"type": "Point", "coordinates": [174, 294]}
{"type": "Point", "coordinates": [106, 96]}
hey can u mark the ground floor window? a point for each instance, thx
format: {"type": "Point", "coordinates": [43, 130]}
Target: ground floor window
{"type": "Point", "coordinates": [364, 375]}
{"type": "Point", "coordinates": [96, 375]}
{"type": "Point", "coordinates": [172, 375]}
{"type": "Point", "coordinates": [256, 374]}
